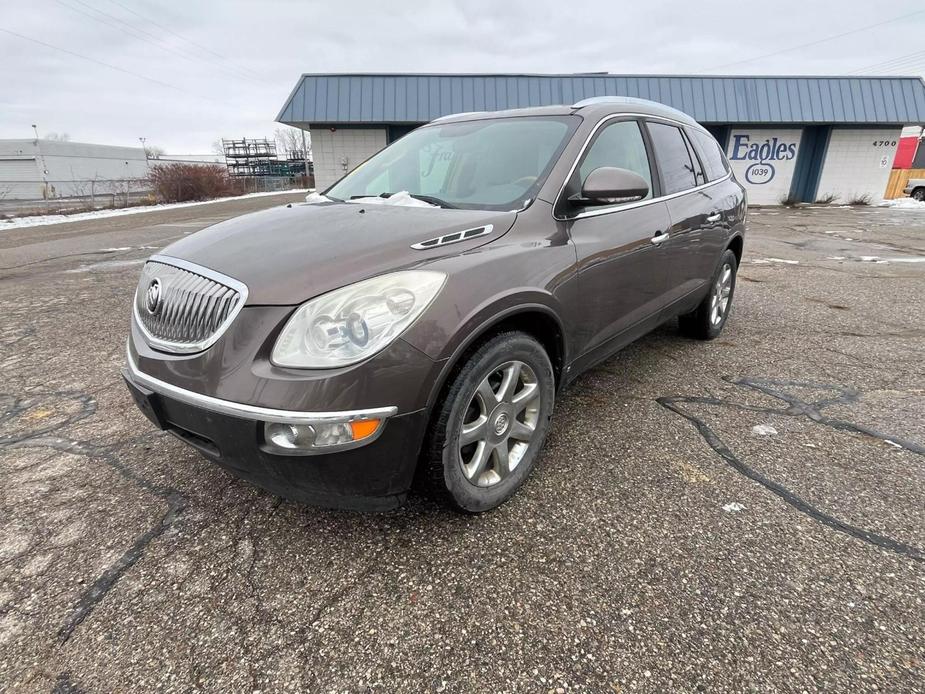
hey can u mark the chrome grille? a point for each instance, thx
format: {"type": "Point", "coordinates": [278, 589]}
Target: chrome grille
{"type": "Point", "coordinates": [181, 307]}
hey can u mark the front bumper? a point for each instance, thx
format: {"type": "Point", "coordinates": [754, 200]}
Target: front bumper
{"type": "Point", "coordinates": [373, 477]}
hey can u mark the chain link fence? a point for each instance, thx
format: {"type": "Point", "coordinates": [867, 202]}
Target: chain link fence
{"type": "Point", "coordinates": [19, 198]}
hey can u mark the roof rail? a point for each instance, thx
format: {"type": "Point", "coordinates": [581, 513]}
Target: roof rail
{"type": "Point", "coordinates": [628, 100]}
{"type": "Point", "coordinates": [456, 115]}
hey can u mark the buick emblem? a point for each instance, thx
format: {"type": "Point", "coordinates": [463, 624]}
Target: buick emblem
{"type": "Point", "coordinates": [153, 296]}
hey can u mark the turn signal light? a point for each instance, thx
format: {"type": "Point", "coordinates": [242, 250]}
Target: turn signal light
{"type": "Point", "coordinates": [364, 428]}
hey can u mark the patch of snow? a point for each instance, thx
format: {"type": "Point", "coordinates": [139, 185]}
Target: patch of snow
{"type": "Point", "coordinates": [878, 259]}
{"type": "Point", "coordinates": [400, 199]}
{"type": "Point", "coordinates": [45, 219]}
{"type": "Point", "coordinates": [314, 198]}
{"type": "Point", "coordinates": [904, 204]}
{"type": "Point", "coordinates": [836, 257]}
{"type": "Point", "coordinates": [106, 265]}
{"type": "Point", "coordinates": [893, 443]}
{"type": "Point", "coordinates": [115, 250]}
{"type": "Point", "coordinates": [733, 507]}
{"type": "Point", "coordinates": [782, 260]}
{"type": "Point", "coordinates": [764, 430]}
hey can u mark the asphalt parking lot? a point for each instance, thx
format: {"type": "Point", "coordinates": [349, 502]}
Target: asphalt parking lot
{"type": "Point", "coordinates": [741, 515]}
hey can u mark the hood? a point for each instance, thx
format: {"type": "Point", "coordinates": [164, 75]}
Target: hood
{"type": "Point", "coordinates": [287, 255]}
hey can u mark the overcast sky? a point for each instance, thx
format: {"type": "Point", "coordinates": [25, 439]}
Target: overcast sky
{"type": "Point", "coordinates": [196, 71]}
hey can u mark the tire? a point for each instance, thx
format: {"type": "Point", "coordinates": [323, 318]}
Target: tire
{"type": "Point", "coordinates": [919, 194]}
{"type": "Point", "coordinates": [704, 323]}
{"type": "Point", "coordinates": [471, 476]}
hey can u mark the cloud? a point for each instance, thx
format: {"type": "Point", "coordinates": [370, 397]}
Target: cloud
{"type": "Point", "coordinates": [265, 46]}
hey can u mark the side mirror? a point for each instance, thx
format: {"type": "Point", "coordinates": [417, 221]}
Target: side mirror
{"type": "Point", "coordinates": [608, 185]}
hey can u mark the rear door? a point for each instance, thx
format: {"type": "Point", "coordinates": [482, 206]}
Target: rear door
{"type": "Point", "coordinates": [621, 272]}
{"type": "Point", "coordinates": [681, 176]}
{"type": "Point", "coordinates": [723, 199]}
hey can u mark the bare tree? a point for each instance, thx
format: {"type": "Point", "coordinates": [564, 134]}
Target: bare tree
{"type": "Point", "coordinates": [59, 137]}
{"type": "Point", "coordinates": [218, 148]}
{"type": "Point", "coordinates": [154, 152]}
{"type": "Point", "coordinates": [290, 140]}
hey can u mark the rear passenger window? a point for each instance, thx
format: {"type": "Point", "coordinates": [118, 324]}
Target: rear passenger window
{"type": "Point", "coordinates": [673, 158]}
{"type": "Point", "coordinates": [714, 163]}
{"type": "Point", "coordinates": [621, 145]}
{"type": "Point", "coordinates": [699, 177]}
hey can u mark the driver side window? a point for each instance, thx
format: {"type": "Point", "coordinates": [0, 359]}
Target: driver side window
{"type": "Point", "coordinates": [621, 145]}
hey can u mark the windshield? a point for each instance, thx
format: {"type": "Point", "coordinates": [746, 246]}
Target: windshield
{"type": "Point", "coordinates": [486, 164]}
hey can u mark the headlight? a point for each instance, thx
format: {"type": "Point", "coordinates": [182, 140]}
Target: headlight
{"type": "Point", "coordinates": [350, 324]}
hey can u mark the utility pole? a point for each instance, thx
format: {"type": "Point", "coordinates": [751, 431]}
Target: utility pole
{"type": "Point", "coordinates": [305, 155]}
{"type": "Point", "coordinates": [145, 149]}
{"type": "Point", "coordinates": [38, 149]}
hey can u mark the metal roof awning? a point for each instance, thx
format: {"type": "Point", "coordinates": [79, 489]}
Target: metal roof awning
{"type": "Point", "coordinates": [418, 98]}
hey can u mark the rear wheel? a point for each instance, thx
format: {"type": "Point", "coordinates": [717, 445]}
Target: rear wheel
{"type": "Point", "coordinates": [707, 320]}
{"type": "Point", "coordinates": [490, 426]}
{"type": "Point", "coordinates": [919, 194]}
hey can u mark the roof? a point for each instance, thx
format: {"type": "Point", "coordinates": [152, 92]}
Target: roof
{"type": "Point", "coordinates": [595, 108]}
{"type": "Point", "coordinates": [419, 98]}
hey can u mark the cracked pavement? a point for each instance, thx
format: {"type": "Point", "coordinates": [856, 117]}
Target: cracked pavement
{"type": "Point", "coordinates": [741, 515]}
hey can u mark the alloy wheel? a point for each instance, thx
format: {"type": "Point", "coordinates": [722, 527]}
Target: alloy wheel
{"type": "Point", "coordinates": [500, 424]}
{"type": "Point", "coordinates": [719, 297]}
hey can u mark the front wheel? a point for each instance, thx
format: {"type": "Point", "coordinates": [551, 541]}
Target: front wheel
{"type": "Point", "coordinates": [707, 320]}
{"type": "Point", "coordinates": [919, 194]}
{"type": "Point", "coordinates": [490, 426]}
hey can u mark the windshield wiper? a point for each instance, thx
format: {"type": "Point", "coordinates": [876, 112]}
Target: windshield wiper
{"type": "Point", "coordinates": [433, 201]}
{"type": "Point", "coordinates": [423, 198]}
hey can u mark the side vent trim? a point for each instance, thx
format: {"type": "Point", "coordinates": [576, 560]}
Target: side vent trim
{"type": "Point", "coordinates": [454, 237]}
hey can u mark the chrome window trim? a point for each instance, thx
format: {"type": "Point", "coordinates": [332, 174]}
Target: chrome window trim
{"type": "Point", "coordinates": [201, 345]}
{"type": "Point", "coordinates": [252, 412]}
{"type": "Point", "coordinates": [610, 209]}
{"type": "Point", "coordinates": [439, 241]}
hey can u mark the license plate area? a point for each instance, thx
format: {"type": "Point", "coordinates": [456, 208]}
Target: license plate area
{"type": "Point", "coordinates": [148, 402]}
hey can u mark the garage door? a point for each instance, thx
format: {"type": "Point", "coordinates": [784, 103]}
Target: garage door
{"type": "Point", "coordinates": [20, 179]}
{"type": "Point", "coordinates": [19, 170]}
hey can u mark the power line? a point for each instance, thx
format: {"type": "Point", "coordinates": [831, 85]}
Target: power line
{"type": "Point", "coordinates": [899, 62]}
{"type": "Point", "coordinates": [183, 38]}
{"type": "Point", "coordinates": [110, 66]}
{"type": "Point", "coordinates": [138, 33]}
{"type": "Point", "coordinates": [813, 43]}
{"type": "Point", "coordinates": [131, 31]}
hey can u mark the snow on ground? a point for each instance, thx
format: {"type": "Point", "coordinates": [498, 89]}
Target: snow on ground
{"type": "Point", "coordinates": [904, 204]}
{"type": "Point", "coordinates": [765, 261]}
{"type": "Point", "coordinates": [878, 259]}
{"type": "Point", "coordinates": [42, 220]}
{"type": "Point", "coordinates": [764, 430]}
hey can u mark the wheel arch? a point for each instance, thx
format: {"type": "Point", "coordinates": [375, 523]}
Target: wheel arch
{"type": "Point", "coordinates": [537, 320]}
{"type": "Point", "coordinates": [736, 245]}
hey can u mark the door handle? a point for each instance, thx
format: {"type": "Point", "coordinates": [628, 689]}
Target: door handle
{"type": "Point", "coordinates": [659, 237]}
{"type": "Point", "coordinates": [715, 217]}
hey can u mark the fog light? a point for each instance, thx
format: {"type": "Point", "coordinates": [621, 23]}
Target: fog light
{"type": "Point", "coordinates": [319, 436]}
{"type": "Point", "coordinates": [333, 434]}
{"type": "Point", "coordinates": [290, 436]}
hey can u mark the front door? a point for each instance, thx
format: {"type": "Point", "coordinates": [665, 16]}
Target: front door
{"type": "Point", "coordinates": [621, 273]}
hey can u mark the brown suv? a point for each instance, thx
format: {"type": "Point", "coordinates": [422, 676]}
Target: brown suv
{"type": "Point", "coordinates": [419, 317]}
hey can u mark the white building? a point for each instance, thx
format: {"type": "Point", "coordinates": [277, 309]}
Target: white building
{"type": "Point", "coordinates": [39, 169]}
